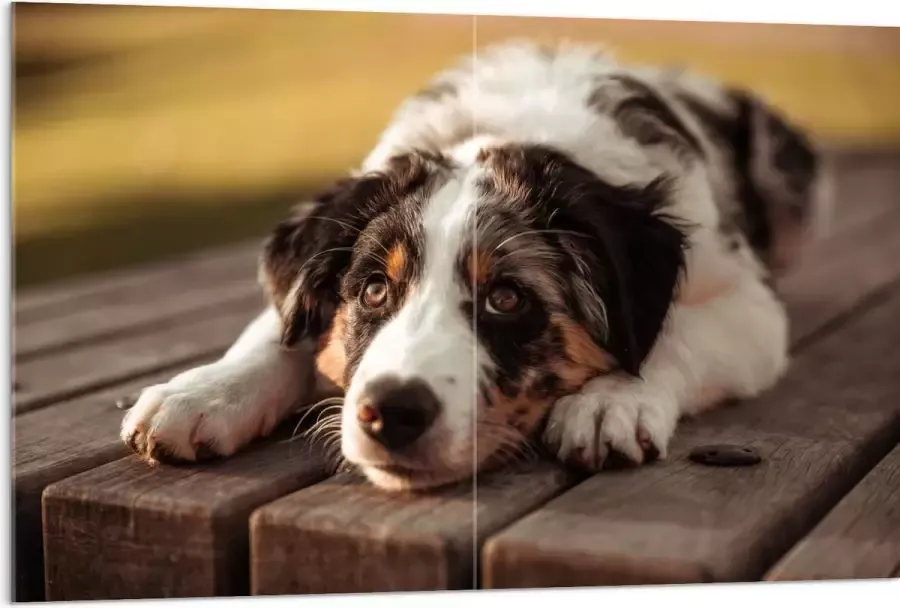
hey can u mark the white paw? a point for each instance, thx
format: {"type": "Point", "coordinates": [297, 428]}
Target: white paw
{"type": "Point", "coordinates": [611, 415]}
{"type": "Point", "coordinates": [202, 413]}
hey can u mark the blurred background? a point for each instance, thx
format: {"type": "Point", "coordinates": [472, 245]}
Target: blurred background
{"type": "Point", "coordinates": [142, 133]}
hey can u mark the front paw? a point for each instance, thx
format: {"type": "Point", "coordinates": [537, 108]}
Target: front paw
{"type": "Point", "coordinates": [611, 416]}
{"type": "Point", "coordinates": [198, 415]}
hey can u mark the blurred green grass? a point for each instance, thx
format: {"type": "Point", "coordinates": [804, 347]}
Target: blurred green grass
{"type": "Point", "coordinates": [144, 132]}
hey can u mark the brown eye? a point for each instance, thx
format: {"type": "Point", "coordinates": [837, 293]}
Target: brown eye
{"type": "Point", "coordinates": [504, 300]}
{"type": "Point", "coordinates": [375, 293]}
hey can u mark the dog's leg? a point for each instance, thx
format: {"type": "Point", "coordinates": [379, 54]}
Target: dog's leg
{"type": "Point", "coordinates": [215, 409]}
{"type": "Point", "coordinates": [732, 346]}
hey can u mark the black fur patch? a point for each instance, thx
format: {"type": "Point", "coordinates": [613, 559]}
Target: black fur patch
{"type": "Point", "coordinates": [772, 164]}
{"type": "Point", "coordinates": [642, 113]}
{"type": "Point", "coordinates": [610, 244]}
{"type": "Point", "coordinates": [308, 253]}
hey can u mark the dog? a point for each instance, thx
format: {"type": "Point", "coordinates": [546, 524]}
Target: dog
{"type": "Point", "coordinates": [545, 246]}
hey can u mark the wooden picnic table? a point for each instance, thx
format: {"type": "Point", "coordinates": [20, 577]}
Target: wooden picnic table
{"type": "Point", "coordinates": [92, 522]}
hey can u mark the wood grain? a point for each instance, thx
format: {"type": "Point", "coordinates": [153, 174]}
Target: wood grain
{"type": "Point", "coordinates": [94, 366]}
{"type": "Point", "coordinates": [866, 184]}
{"type": "Point", "coordinates": [819, 431]}
{"type": "Point", "coordinates": [840, 274]}
{"type": "Point", "coordinates": [346, 536]}
{"type": "Point", "coordinates": [858, 539]}
{"type": "Point", "coordinates": [51, 444]}
{"type": "Point", "coordinates": [119, 317]}
{"type": "Point", "coordinates": [125, 530]}
{"type": "Point", "coordinates": [58, 299]}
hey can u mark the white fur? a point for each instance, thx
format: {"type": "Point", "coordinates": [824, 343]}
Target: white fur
{"type": "Point", "coordinates": [228, 403]}
{"type": "Point", "coordinates": [430, 339]}
{"type": "Point", "coordinates": [511, 92]}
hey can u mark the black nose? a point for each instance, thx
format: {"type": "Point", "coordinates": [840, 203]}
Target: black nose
{"type": "Point", "coordinates": [396, 412]}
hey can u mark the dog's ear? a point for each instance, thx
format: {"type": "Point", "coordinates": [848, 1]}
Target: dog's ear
{"type": "Point", "coordinates": [781, 178]}
{"type": "Point", "coordinates": [305, 256]}
{"type": "Point", "coordinates": [627, 259]}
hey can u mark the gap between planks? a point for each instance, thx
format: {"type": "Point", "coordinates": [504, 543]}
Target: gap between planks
{"type": "Point", "coordinates": [37, 304]}
{"type": "Point", "coordinates": [44, 381]}
{"type": "Point", "coordinates": [141, 300]}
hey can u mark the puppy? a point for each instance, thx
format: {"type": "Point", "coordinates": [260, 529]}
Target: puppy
{"type": "Point", "coordinates": [544, 244]}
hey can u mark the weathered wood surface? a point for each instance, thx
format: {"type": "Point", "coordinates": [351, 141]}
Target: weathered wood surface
{"type": "Point", "coordinates": [819, 431]}
{"type": "Point", "coordinates": [120, 317]}
{"type": "Point", "coordinates": [51, 444]}
{"type": "Point", "coordinates": [59, 299]}
{"type": "Point", "coordinates": [118, 528]}
{"type": "Point", "coordinates": [93, 366]}
{"type": "Point", "coordinates": [858, 539]}
{"type": "Point", "coordinates": [126, 531]}
{"type": "Point", "coordinates": [76, 354]}
{"type": "Point", "coordinates": [304, 543]}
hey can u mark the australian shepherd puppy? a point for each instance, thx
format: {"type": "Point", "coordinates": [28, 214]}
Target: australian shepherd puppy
{"type": "Point", "coordinates": [545, 245]}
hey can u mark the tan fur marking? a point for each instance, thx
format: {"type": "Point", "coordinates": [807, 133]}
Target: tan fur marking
{"type": "Point", "coordinates": [586, 359]}
{"type": "Point", "coordinates": [396, 263]}
{"type": "Point", "coordinates": [481, 265]}
{"type": "Point", "coordinates": [332, 357]}
{"type": "Point", "coordinates": [522, 412]}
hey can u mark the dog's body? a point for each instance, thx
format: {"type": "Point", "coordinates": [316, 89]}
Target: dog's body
{"type": "Point", "coordinates": [543, 242]}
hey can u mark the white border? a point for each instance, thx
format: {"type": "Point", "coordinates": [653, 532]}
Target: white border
{"type": "Point", "coordinates": [857, 12]}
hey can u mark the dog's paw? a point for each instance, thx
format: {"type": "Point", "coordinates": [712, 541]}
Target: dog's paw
{"type": "Point", "coordinates": [203, 413]}
{"type": "Point", "coordinates": [609, 417]}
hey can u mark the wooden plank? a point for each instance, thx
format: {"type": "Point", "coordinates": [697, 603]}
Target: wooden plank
{"type": "Point", "coordinates": [840, 273]}
{"type": "Point", "coordinates": [819, 431]}
{"type": "Point", "coordinates": [67, 374]}
{"type": "Point", "coordinates": [51, 444]}
{"type": "Point", "coordinates": [866, 185]}
{"type": "Point", "coordinates": [128, 531]}
{"type": "Point", "coordinates": [346, 536]}
{"type": "Point", "coordinates": [858, 539]}
{"type": "Point", "coordinates": [135, 284]}
{"type": "Point", "coordinates": [158, 305]}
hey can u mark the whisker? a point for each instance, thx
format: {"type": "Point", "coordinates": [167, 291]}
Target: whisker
{"type": "Point", "coordinates": [336, 221]}
{"type": "Point", "coordinates": [310, 409]}
{"type": "Point", "coordinates": [332, 250]}
{"type": "Point", "coordinates": [377, 242]}
{"type": "Point", "coordinates": [541, 231]}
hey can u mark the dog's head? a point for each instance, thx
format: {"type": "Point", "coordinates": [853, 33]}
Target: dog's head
{"type": "Point", "coordinates": [454, 304]}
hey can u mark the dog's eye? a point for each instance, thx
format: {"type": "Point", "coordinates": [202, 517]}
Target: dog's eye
{"type": "Point", "coordinates": [504, 300]}
{"type": "Point", "coordinates": [375, 293]}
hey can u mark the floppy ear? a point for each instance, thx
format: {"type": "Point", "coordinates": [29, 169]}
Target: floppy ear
{"type": "Point", "coordinates": [628, 259]}
{"type": "Point", "coordinates": [305, 256]}
{"type": "Point", "coordinates": [780, 178]}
